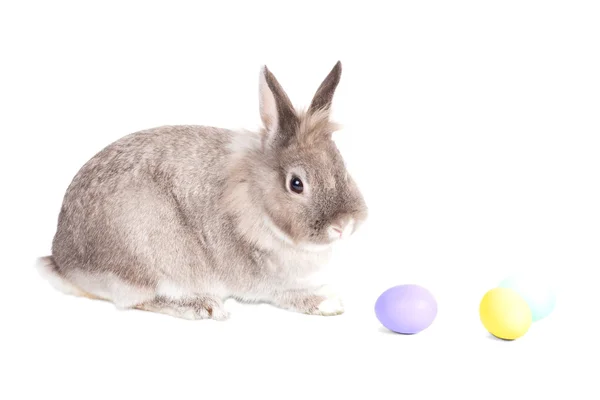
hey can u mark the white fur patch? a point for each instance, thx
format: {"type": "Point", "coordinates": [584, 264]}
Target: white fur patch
{"type": "Point", "coordinates": [109, 287]}
{"type": "Point", "coordinates": [169, 290]}
{"type": "Point", "coordinates": [45, 268]}
{"type": "Point", "coordinates": [314, 248]}
{"type": "Point", "coordinates": [328, 291]}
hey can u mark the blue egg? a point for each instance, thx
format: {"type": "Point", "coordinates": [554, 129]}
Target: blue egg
{"type": "Point", "coordinates": [539, 296]}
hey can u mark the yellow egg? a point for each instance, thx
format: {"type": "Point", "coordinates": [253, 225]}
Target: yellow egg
{"type": "Point", "coordinates": [505, 314]}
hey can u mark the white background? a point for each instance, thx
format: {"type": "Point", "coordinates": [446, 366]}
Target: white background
{"type": "Point", "coordinates": [472, 128]}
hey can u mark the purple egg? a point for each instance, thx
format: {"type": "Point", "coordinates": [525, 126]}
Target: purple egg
{"type": "Point", "coordinates": [406, 309]}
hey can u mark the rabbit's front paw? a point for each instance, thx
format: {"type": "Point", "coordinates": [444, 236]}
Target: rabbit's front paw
{"type": "Point", "coordinates": [207, 307]}
{"type": "Point", "coordinates": [322, 301]}
{"type": "Point", "coordinates": [331, 303]}
{"type": "Point", "coordinates": [330, 306]}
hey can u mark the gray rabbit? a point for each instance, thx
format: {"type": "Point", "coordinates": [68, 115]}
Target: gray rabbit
{"type": "Point", "coordinates": [176, 219]}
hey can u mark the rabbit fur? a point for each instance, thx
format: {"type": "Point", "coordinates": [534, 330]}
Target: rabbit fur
{"type": "Point", "coordinates": [176, 219]}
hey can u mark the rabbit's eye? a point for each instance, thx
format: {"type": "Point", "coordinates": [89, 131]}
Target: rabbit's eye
{"type": "Point", "coordinates": [296, 185]}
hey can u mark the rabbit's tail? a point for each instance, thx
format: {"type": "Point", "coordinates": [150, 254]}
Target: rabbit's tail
{"type": "Point", "coordinates": [48, 269]}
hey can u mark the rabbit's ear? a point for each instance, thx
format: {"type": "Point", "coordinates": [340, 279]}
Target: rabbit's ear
{"type": "Point", "coordinates": [324, 95]}
{"type": "Point", "coordinates": [276, 109]}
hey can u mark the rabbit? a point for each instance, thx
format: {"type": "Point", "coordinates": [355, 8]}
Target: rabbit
{"type": "Point", "coordinates": [177, 219]}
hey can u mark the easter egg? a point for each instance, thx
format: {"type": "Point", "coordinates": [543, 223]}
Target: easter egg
{"type": "Point", "coordinates": [505, 314]}
{"type": "Point", "coordinates": [406, 309]}
{"type": "Point", "coordinates": [539, 296]}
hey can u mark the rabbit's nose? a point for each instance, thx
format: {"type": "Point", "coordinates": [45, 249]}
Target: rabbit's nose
{"type": "Point", "coordinates": [342, 229]}
{"type": "Point", "coordinates": [337, 230]}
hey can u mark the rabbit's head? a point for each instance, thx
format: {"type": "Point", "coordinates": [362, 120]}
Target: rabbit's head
{"type": "Point", "coordinates": [307, 193]}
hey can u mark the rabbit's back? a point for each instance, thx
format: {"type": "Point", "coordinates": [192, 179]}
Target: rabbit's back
{"type": "Point", "coordinates": [126, 212]}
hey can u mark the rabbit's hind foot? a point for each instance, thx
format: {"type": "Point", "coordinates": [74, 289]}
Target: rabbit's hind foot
{"type": "Point", "coordinates": [192, 308]}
